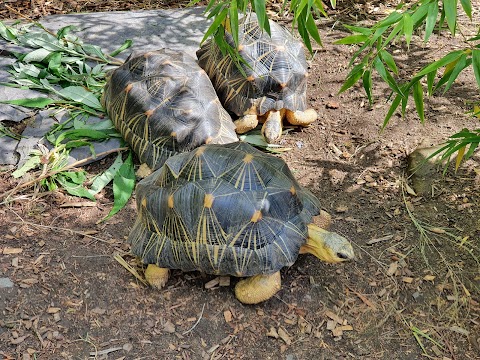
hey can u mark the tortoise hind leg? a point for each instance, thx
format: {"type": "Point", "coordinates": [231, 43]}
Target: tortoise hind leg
{"type": "Point", "coordinates": [156, 276]}
{"type": "Point", "coordinates": [302, 118]}
{"type": "Point", "coordinates": [258, 288]}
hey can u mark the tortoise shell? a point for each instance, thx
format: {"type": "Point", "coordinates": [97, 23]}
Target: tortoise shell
{"type": "Point", "coordinates": [222, 209]}
{"type": "Point", "coordinates": [273, 77]}
{"type": "Point", "coordinates": [163, 103]}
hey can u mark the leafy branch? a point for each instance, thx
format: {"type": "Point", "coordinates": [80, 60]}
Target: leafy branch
{"type": "Point", "coordinates": [72, 74]}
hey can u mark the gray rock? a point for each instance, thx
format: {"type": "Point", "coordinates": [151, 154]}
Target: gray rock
{"type": "Point", "coordinates": [5, 283]}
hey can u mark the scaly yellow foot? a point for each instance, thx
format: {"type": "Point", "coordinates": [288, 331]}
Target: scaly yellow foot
{"type": "Point", "coordinates": [258, 288]}
{"type": "Point", "coordinates": [302, 118]}
{"type": "Point", "coordinates": [156, 276]}
{"type": "Point", "coordinates": [246, 123]}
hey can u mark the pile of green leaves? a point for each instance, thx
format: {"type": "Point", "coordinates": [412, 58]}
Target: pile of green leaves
{"type": "Point", "coordinates": [71, 75]}
{"type": "Point", "coordinates": [375, 55]}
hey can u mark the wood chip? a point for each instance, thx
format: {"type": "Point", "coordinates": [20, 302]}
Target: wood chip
{"type": "Point", "coordinates": [53, 310]}
{"type": "Point", "coordinates": [18, 340]}
{"type": "Point", "coordinates": [437, 230]}
{"type": "Point", "coordinates": [10, 251]}
{"type": "Point", "coordinates": [337, 332]}
{"type": "Point", "coordinates": [392, 269]}
{"type": "Point", "coordinates": [383, 238]}
{"type": "Point", "coordinates": [331, 324]}
{"type": "Point", "coordinates": [334, 316]}
{"type": "Point", "coordinates": [224, 281]}
{"type": "Point", "coordinates": [282, 333]}
{"type": "Point", "coordinates": [212, 283]}
{"type": "Point", "coordinates": [272, 333]}
{"type": "Point", "coordinates": [332, 105]}
{"type": "Point", "coordinates": [346, 327]}
{"type": "Point", "coordinates": [79, 204]}
{"type": "Point", "coordinates": [407, 279]}
{"type": "Point", "coordinates": [169, 327]}
{"type": "Point", "coordinates": [227, 314]}
{"type": "Point", "coordinates": [429, 277]}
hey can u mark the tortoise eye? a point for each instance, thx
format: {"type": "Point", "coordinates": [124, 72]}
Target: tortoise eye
{"type": "Point", "coordinates": [342, 256]}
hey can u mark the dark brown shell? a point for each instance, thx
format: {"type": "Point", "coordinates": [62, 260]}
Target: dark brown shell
{"type": "Point", "coordinates": [163, 103]}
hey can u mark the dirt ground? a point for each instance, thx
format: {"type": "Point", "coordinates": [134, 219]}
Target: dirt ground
{"type": "Point", "coordinates": [409, 294]}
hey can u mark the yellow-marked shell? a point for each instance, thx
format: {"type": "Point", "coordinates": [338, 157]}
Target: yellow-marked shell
{"type": "Point", "coordinates": [163, 103]}
{"type": "Point", "coordinates": [274, 75]}
{"type": "Point", "coordinates": [222, 209]}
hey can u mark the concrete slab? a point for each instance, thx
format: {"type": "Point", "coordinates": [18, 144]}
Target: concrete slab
{"type": "Point", "coordinates": [180, 29]}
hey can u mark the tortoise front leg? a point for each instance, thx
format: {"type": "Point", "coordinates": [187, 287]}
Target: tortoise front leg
{"type": "Point", "coordinates": [302, 118]}
{"type": "Point", "coordinates": [258, 288]}
{"type": "Point", "coordinates": [156, 276]}
{"type": "Point", "coordinates": [272, 128]}
{"type": "Point", "coordinates": [246, 123]}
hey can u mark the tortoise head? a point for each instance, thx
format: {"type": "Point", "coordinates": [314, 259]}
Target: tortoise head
{"type": "Point", "coordinates": [327, 246]}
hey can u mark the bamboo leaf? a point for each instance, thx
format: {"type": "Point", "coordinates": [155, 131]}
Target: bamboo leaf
{"type": "Point", "coordinates": [233, 17]}
{"type": "Point", "coordinates": [476, 64]}
{"type": "Point", "coordinates": [352, 78]}
{"type": "Point", "coordinates": [127, 44]}
{"type": "Point", "coordinates": [431, 19]}
{"type": "Point", "coordinates": [467, 7]}
{"type": "Point", "coordinates": [312, 29]}
{"type": "Point", "coordinates": [461, 64]}
{"type": "Point", "coordinates": [418, 98]}
{"type": "Point", "coordinates": [407, 28]}
{"type": "Point", "coordinates": [352, 39]}
{"type": "Point", "coordinates": [450, 8]}
{"type": "Point", "coordinates": [386, 76]}
{"type": "Point", "coordinates": [392, 109]}
{"type": "Point", "coordinates": [430, 79]}
{"type": "Point", "coordinates": [459, 157]}
{"type": "Point", "coordinates": [452, 56]}
{"type": "Point", "coordinates": [215, 24]}
{"type": "Point", "coordinates": [367, 84]}
{"type": "Point", "coordinates": [388, 59]}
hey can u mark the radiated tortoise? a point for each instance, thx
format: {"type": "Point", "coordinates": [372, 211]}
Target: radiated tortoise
{"type": "Point", "coordinates": [229, 210]}
{"type": "Point", "coordinates": [273, 82]}
{"type": "Point", "coordinates": [163, 103]}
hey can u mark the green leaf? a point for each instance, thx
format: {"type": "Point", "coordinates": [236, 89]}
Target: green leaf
{"type": "Point", "coordinates": [35, 103]}
{"type": "Point", "coordinates": [82, 134]}
{"type": "Point", "coordinates": [392, 109]}
{"type": "Point", "coordinates": [352, 39]}
{"type": "Point", "coordinates": [467, 7]}
{"type": "Point", "coordinates": [123, 185]}
{"type": "Point", "coordinates": [7, 32]}
{"type": "Point", "coordinates": [358, 29]}
{"type": "Point", "coordinates": [431, 19]}
{"type": "Point", "coordinates": [386, 76]}
{"type": "Point", "coordinates": [71, 187]}
{"type": "Point", "coordinates": [476, 64]}
{"type": "Point", "coordinates": [459, 66]}
{"type": "Point", "coordinates": [94, 50]}
{"type": "Point", "coordinates": [352, 77]}
{"type": "Point", "coordinates": [261, 11]}
{"type": "Point", "coordinates": [452, 56]}
{"type": "Point", "coordinates": [37, 55]}
{"type": "Point", "coordinates": [450, 8]}
{"type": "Point", "coordinates": [407, 28]}
{"type": "Point", "coordinates": [312, 29]}
{"type": "Point", "coordinates": [104, 178]}
{"type": "Point", "coordinates": [215, 24]}
{"type": "Point", "coordinates": [31, 163]}
{"type": "Point", "coordinates": [233, 15]}
{"type": "Point", "coordinates": [367, 84]}
{"type": "Point", "coordinates": [81, 95]}
{"type": "Point", "coordinates": [418, 97]}
{"type": "Point", "coordinates": [127, 44]}
{"type": "Point", "coordinates": [388, 59]}
{"type": "Point", "coordinates": [389, 20]}
{"type": "Point", "coordinates": [430, 80]}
